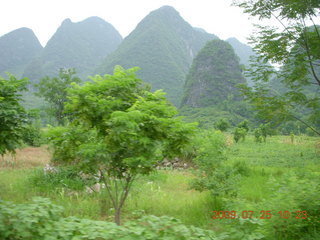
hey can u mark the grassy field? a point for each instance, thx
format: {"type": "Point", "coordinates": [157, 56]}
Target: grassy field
{"type": "Point", "coordinates": [168, 192]}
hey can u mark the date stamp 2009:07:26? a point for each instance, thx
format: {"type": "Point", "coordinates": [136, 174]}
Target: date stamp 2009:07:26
{"type": "Point", "coordinates": [264, 214]}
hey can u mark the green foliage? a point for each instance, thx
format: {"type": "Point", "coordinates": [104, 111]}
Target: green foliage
{"type": "Point", "coordinates": [296, 50]}
{"type": "Point", "coordinates": [120, 130]}
{"type": "Point", "coordinates": [257, 135]}
{"type": "Point", "coordinates": [244, 124]}
{"type": "Point", "coordinates": [61, 177]}
{"type": "Point", "coordinates": [17, 48]}
{"type": "Point", "coordinates": [210, 91]}
{"type": "Point", "coordinates": [222, 124]}
{"type": "Point", "coordinates": [43, 220]}
{"type": "Point", "coordinates": [65, 142]}
{"type": "Point", "coordinates": [54, 91]}
{"type": "Point", "coordinates": [80, 45]}
{"type": "Point", "coordinates": [165, 66]}
{"type": "Point", "coordinates": [261, 133]}
{"type": "Point", "coordinates": [29, 221]}
{"type": "Point", "coordinates": [211, 150]}
{"type": "Point", "coordinates": [294, 193]}
{"type": "Point", "coordinates": [12, 115]}
{"type": "Point", "coordinates": [32, 135]}
{"type": "Point", "coordinates": [239, 133]}
{"type": "Point", "coordinates": [213, 76]}
{"type": "Point", "coordinates": [243, 51]}
{"type": "Point", "coordinates": [213, 174]}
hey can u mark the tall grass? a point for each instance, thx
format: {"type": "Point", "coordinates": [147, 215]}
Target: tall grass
{"type": "Point", "coordinates": [168, 192]}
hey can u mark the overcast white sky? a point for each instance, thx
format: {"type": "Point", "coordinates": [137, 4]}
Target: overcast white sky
{"type": "Point", "coordinates": [45, 16]}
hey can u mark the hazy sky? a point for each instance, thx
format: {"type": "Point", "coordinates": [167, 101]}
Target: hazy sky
{"type": "Point", "coordinates": [45, 16]}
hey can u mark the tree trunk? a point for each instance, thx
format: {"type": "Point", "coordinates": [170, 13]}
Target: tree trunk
{"type": "Point", "coordinates": [117, 216]}
{"type": "Point", "coordinates": [103, 207]}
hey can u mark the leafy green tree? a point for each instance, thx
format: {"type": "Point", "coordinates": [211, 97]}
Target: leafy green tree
{"type": "Point", "coordinates": [244, 124]}
{"type": "Point", "coordinates": [239, 133]}
{"type": "Point", "coordinates": [222, 124]}
{"type": "Point", "coordinates": [261, 133]}
{"type": "Point", "coordinates": [54, 91]}
{"type": "Point", "coordinates": [119, 130]}
{"type": "Point", "coordinates": [32, 134]}
{"type": "Point", "coordinates": [257, 135]}
{"type": "Point", "coordinates": [13, 116]}
{"type": "Point", "coordinates": [296, 49]}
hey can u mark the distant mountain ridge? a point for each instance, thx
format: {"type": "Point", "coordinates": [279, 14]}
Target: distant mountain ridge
{"type": "Point", "coordinates": [213, 76]}
{"type": "Point", "coordinates": [242, 50]}
{"type": "Point", "coordinates": [80, 45]}
{"type": "Point", "coordinates": [210, 91]}
{"type": "Point", "coordinates": [244, 53]}
{"type": "Point", "coordinates": [163, 45]}
{"type": "Point", "coordinates": [17, 48]}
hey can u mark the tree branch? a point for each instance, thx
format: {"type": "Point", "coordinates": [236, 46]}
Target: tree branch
{"type": "Point", "coordinates": [114, 203]}
{"type": "Point", "coordinates": [308, 54]}
{"type": "Point", "coordinates": [305, 123]}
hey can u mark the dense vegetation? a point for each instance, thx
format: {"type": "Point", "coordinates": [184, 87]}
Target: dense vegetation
{"type": "Point", "coordinates": [296, 50]}
{"type": "Point", "coordinates": [118, 151]}
{"type": "Point", "coordinates": [163, 46]}
{"type": "Point", "coordinates": [80, 45]}
{"type": "Point", "coordinates": [210, 91]}
{"type": "Point", "coordinates": [17, 48]}
{"type": "Point", "coordinates": [280, 175]}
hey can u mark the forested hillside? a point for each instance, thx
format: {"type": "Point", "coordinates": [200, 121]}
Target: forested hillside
{"type": "Point", "coordinates": [80, 45]}
{"type": "Point", "coordinates": [16, 50]}
{"type": "Point", "coordinates": [163, 46]}
{"type": "Point", "coordinates": [244, 53]}
{"type": "Point", "coordinates": [211, 83]}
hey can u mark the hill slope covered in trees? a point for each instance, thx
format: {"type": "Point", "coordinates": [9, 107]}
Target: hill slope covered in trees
{"type": "Point", "coordinates": [16, 50]}
{"type": "Point", "coordinates": [163, 46]}
{"type": "Point", "coordinates": [80, 45]}
{"type": "Point", "coordinates": [210, 90]}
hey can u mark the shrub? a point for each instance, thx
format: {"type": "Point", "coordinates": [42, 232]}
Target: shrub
{"type": "Point", "coordinates": [257, 135]}
{"type": "Point", "coordinates": [64, 177]}
{"type": "Point", "coordinates": [43, 220]}
{"type": "Point", "coordinates": [239, 133]}
{"type": "Point", "coordinates": [293, 193]}
{"type": "Point", "coordinates": [222, 124]}
{"type": "Point", "coordinates": [213, 174]}
{"type": "Point", "coordinates": [32, 135]}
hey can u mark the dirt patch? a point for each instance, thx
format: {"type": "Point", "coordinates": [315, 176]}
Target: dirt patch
{"type": "Point", "coordinates": [28, 157]}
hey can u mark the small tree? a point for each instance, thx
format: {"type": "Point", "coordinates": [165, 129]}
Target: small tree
{"type": "Point", "coordinates": [120, 130]}
{"type": "Point", "coordinates": [244, 124]}
{"type": "Point", "coordinates": [222, 124]}
{"type": "Point", "coordinates": [12, 115]}
{"type": "Point", "coordinates": [292, 92]}
{"type": "Point", "coordinates": [239, 133]}
{"type": "Point", "coordinates": [54, 91]}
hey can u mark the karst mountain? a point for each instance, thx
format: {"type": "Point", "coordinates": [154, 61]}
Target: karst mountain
{"type": "Point", "coordinates": [163, 45]}
{"type": "Point", "coordinates": [80, 45]}
{"type": "Point", "coordinates": [17, 48]}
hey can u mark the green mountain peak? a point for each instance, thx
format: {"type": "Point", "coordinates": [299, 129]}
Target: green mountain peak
{"type": "Point", "coordinates": [163, 45]}
{"type": "Point", "coordinates": [16, 49]}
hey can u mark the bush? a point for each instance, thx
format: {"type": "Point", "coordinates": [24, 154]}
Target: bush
{"type": "Point", "coordinates": [213, 174]}
{"type": "Point", "coordinates": [239, 133]}
{"type": "Point", "coordinates": [32, 135]}
{"type": "Point", "coordinates": [293, 193]}
{"type": "Point", "coordinates": [64, 177]}
{"type": "Point", "coordinates": [43, 220]}
{"type": "Point", "coordinates": [257, 135]}
{"type": "Point", "coordinates": [222, 124]}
